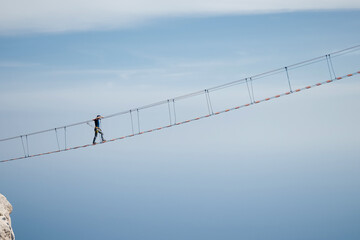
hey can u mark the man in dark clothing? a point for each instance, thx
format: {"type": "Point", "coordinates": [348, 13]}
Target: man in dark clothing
{"type": "Point", "coordinates": [97, 128]}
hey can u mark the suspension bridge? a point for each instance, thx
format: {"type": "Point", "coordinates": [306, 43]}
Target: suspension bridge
{"type": "Point", "coordinates": [292, 81]}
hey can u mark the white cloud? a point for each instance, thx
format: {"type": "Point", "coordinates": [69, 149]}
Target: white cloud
{"type": "Point", "coordinates": [21, 16]}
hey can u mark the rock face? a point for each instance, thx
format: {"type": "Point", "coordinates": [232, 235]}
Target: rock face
{"type": "Point", "coordinates": [6, 232]}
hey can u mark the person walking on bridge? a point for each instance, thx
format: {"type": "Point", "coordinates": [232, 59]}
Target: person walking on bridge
{"type": "Point", "coordinates": [97, 128]}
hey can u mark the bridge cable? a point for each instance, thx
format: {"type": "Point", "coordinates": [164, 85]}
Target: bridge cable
{"type": "Point", "coordinates": [288, 78]}
{"type": "Point", "coordinates": [174, 111]}
{"type": "Point", "coordinates": [168, 103]}
{"type": "Point", "coordinates": [57, 139]}
{"type": "Point", "coordinates": [65, 136]}
{"type": "Point", "coordinates": [331, 64]}
{"type": "Point", "coordinates": [254, 77]}
{"type": "Point", "coordinates": [22, 142]}
{"type": "Point", "coordinates": [27, 146]}
{"type": "Point", "coordinates": [191, 120]}
{"type": "Point", "coordinates": [247, 85]}
{"type": "Point", "coordinates": [138, 118]}
{"type": "Point", "coordinates": [132, 124]}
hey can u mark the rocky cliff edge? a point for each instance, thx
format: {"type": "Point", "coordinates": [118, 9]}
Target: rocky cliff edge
{"type": "Point", "coordinates": [6, 231]}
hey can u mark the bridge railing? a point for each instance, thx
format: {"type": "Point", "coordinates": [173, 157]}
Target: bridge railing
{"type": "Point", "coordinates": [178, 109]}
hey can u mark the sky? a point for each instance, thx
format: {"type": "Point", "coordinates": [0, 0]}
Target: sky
{"type": "Point", "coordinates": [284, 169]}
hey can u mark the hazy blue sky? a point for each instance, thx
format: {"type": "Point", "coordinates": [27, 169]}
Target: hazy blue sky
{"type": "Point", "coordinates": [287, 169]}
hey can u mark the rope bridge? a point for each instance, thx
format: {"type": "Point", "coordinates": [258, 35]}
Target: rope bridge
{"type": "Point", "coordinates": [171, 105]}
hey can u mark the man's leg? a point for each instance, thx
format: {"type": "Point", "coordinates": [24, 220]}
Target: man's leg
{"type": "Point", "coordinates": [95, 135]}
{"type": "Point", "coordinates": [102, 135]}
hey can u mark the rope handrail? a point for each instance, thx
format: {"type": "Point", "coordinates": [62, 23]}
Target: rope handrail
{"type": "Point", "coordinates": [240, 81]}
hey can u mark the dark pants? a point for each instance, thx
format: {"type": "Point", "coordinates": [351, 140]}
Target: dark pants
{"type": "Point", "coordinates": [98, 130]}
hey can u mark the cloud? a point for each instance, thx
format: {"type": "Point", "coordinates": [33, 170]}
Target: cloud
{"type": "Point", "coordinates": [21, 16]}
